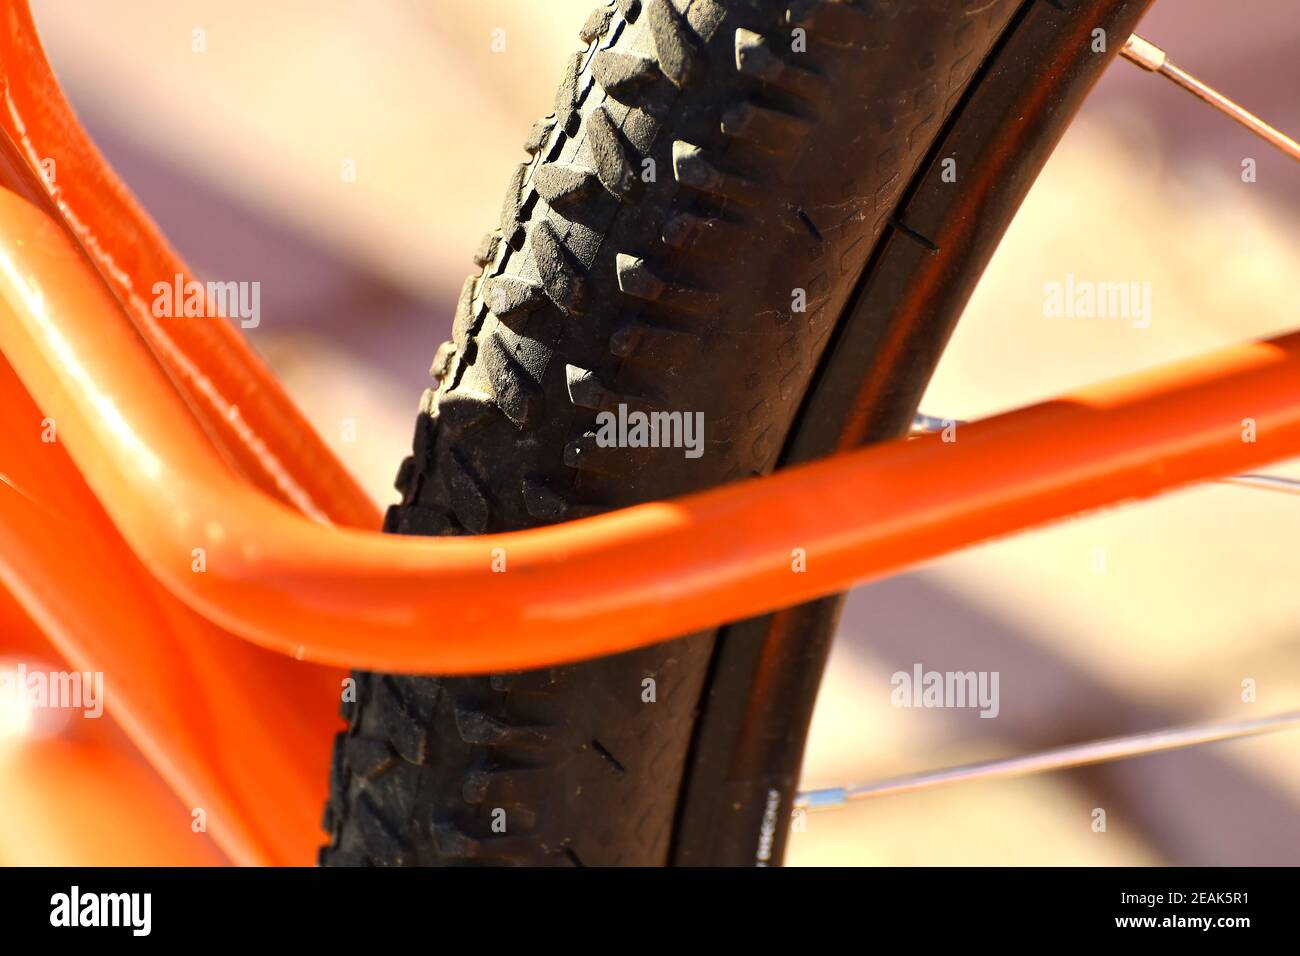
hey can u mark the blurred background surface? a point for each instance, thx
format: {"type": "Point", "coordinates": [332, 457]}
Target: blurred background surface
{"type": "Point", "coordinates": [1137, 619]}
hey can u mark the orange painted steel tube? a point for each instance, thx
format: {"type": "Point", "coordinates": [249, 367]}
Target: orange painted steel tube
{"type": "Point", "coordinates": [244, 737]}
{"type": "Point", "coordinates": [233, 729]}
{"type": "Point", "coordinates": [85, 803]}
{"type": "Point", "coordinates": [83, 797]}
{"type": "Point", "coordinates": [229, 390]}
{"type": "Point", "coordinates": [612, 582]}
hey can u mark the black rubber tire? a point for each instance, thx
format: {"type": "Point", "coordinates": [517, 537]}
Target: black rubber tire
{"type": "Point", "coordinates": [711, 166]}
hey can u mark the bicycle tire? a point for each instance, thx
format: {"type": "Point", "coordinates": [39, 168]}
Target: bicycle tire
{"type": "Point", "coordinates": [786, 134]}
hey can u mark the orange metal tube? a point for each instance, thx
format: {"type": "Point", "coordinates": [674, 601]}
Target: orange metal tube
{"type": "Point", "coordinates": [233, 729]}
{"type": "Point", "coordinates": [616, 581]}
{"type": "Point", "coordinates": [85, 803]}
{"type": "Point", "coordinates": [84, 797]}
{"type": "Point", "coordinates": [230, 391]}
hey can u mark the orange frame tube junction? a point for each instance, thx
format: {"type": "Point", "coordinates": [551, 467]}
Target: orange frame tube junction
{"type": "Point", "coordinates": [605, 584]}
{"type": "Point", "coordinates": [175, 441]}
{"type": "Point", "coordinates": [232, 394]}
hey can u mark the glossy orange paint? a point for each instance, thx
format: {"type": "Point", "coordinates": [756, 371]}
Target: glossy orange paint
{"type": "Point", "coordinates": [180, 440]}
{"type": "Point", "coordinates": [232, 728]}
{"type": "Point", "coordinates": [88, 803]}
{"type": "Point", "coordinates": [612, 582]}
{"type": "Point", "coordinates": [80, 794]}
{"type": "Point", "coordinates": [228, 389]}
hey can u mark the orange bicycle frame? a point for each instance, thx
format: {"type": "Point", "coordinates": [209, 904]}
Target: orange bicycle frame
{"type": "Point", "coordinates": [227, 565]}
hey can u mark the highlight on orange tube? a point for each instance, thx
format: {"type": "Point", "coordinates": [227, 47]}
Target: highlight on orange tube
{"type": "Point", "coordinates": [239, 567]}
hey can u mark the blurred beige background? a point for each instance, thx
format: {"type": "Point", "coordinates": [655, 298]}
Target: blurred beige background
{"type": "Point", "coordinates": [1141, 618]}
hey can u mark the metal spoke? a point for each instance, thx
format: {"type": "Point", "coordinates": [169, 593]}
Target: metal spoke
{"type": "Point", "coordinates": [1060, 758]}
{"type": "Point", "coordinates": [924, 424]}
{"type": "Point", "coordinates": [1150, 57]}
{"type": "Point", "coordinates": [1286, 486]}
